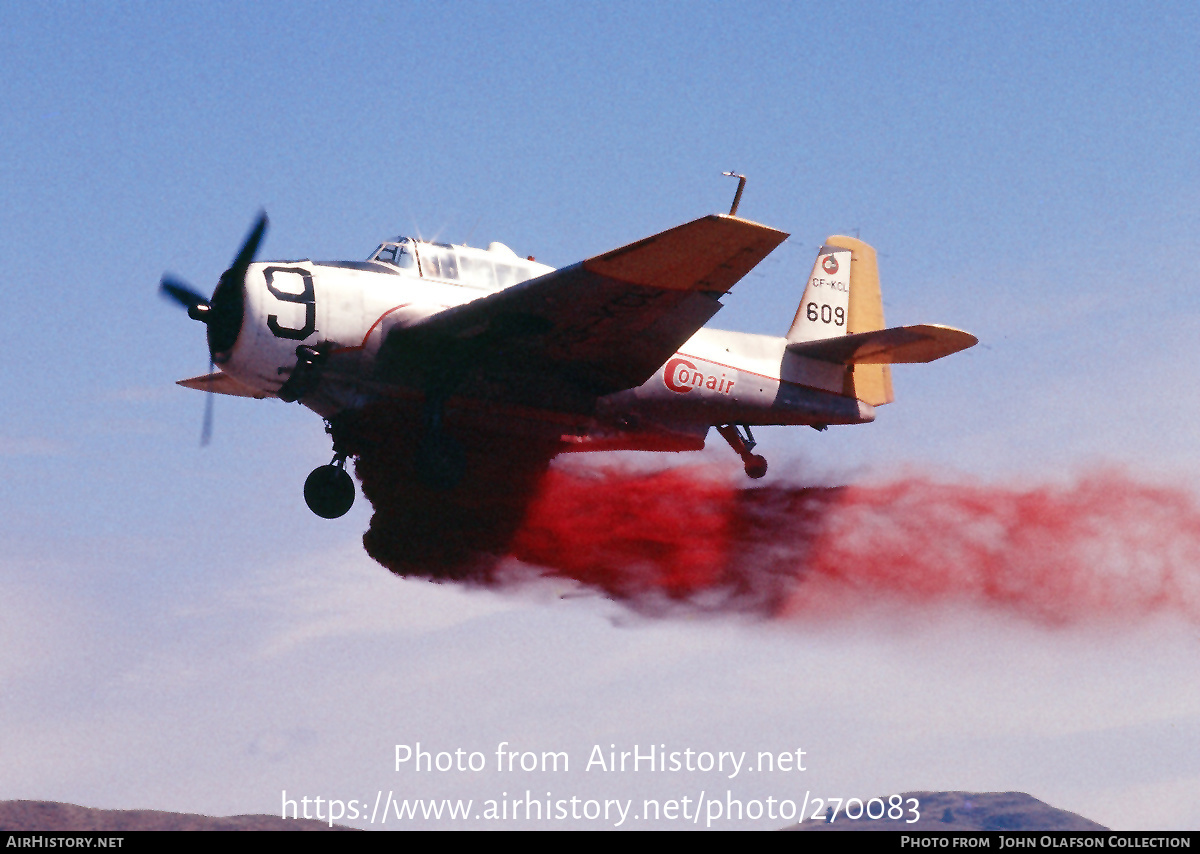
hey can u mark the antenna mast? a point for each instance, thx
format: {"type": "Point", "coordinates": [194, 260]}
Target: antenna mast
{"type": "Point", "coordinates": [737, 198]}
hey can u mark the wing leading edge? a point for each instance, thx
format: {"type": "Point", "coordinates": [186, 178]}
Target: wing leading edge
{"type": "Point", "coordinates": [597, 327]}
{"type": "Point", "coordinates": [221, 383]}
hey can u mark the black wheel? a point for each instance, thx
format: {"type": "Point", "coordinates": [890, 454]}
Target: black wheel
{"type": "Point", "coordinates": [440, 462]}
{"type": "Point", "coordinates": [756, 466]}
{"type": "Point", "coordinates": [329, 492]}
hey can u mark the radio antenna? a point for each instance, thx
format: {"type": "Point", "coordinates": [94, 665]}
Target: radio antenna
{"type": "Point", "coordinates": [737, 198]}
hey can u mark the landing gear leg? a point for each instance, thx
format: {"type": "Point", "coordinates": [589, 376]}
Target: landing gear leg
{"type": "Point", "coordinates": [329, 490]}
{"type": "Point", "coordinates": [755, 464]}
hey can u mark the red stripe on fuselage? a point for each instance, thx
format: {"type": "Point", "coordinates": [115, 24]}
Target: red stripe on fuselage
{"type": "Point", "coordinates": [372, 328]}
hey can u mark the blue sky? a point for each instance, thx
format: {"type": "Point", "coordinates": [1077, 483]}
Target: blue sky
{"type": "Point", "coordinates": [182, 634]}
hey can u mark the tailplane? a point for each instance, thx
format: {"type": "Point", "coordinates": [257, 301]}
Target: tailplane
{"type": "Point", "coordinates": [900, 345]}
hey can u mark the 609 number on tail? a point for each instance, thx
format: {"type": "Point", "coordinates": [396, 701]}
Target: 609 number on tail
{"type": "Point", "coordinates": [826, 313]}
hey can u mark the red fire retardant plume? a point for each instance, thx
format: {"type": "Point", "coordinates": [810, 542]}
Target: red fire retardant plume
{"type": "Point", "coordinates": [1106, 547]}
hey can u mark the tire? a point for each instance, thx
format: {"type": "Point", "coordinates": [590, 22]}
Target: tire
{"type": "Point", "coordinates": [329, 492]}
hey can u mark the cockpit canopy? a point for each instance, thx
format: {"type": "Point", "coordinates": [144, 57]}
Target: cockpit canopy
{"type": "Point", "coordinates": [491, 269]}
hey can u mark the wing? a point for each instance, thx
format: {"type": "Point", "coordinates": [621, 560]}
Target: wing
{"type": "Point", "coordinates": [606, 324]}
{"type": "Point", "coordinates": [221, 383]}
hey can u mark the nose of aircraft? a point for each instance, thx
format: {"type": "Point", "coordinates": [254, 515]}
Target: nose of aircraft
{"type": "Point", "coordinates": [228, 303]}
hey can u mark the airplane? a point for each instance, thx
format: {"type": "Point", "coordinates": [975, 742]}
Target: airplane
{"type": "Point", "coordinates": [451, 370]}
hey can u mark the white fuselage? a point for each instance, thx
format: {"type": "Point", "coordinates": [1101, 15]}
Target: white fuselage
{"type": "Point", "coordinates": [715, 378]}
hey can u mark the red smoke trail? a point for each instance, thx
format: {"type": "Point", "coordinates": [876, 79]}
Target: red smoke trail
{"type": "Point", "coordinates": [1106, 547]}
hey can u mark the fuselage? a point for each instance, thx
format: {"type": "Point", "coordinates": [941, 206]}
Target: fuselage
{"type": "Point", "coordinates": [348, 309]}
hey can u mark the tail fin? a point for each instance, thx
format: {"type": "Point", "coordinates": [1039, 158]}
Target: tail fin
{"type": "Point", "coordinates": [842, 297]}
{"type": "Point", "coordinates": [826, 302]}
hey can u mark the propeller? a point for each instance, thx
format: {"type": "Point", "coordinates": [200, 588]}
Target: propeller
{"type": "Point", "coordinates": [196, 305]}
{"type": "Point", "coordinates": [224, 312]}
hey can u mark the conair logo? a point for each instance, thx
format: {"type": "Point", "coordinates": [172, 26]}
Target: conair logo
{"type": "Point", "coordinates": [829, 265]}
{"type": "Point", "coordinates": [682, 376]}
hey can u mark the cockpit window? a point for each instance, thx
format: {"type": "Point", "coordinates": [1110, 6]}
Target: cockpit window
{"type": "Point", "coordinates": [508, 275]}
{"type": "Point", "coordinates": [478, 272]}
{"type": "Point", "coordinates": [399, 254]}
{"type": "Point", "coordinates": [439, 262]}
{"type": "Point", "coordinates": [488, 269]}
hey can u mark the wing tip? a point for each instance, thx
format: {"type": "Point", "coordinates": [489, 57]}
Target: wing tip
{"type": "Point", "coordinates": [757, 226]}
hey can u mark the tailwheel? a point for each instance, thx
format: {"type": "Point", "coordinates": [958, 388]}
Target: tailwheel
{"type": "Point", "coordinates": [329, 490]}
{"type": "Point", "coordinates": [755, 464]}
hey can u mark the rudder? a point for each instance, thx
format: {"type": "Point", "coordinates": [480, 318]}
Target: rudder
{"type": "Point", "coordinates": [869, 383]}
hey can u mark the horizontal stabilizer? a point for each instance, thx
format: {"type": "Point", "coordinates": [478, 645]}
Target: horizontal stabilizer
{"type": "Point", "coordinates": [900, 345]}
{"type": "Point", "coordinates": [221, 383]}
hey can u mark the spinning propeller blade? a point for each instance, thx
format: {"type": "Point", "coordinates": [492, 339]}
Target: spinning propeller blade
{"type": "Point", "coordinates": [223, 313]}
{"type": "Point", "coordinates": [206, 427]}
{"type": "Point", "coordinates": [249, 248]}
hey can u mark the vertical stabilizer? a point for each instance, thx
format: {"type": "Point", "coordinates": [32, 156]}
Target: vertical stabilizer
{"type": "Point", "coordinates": [869, 383]}
{"type": "Point", "coordinates": [825, 307]}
